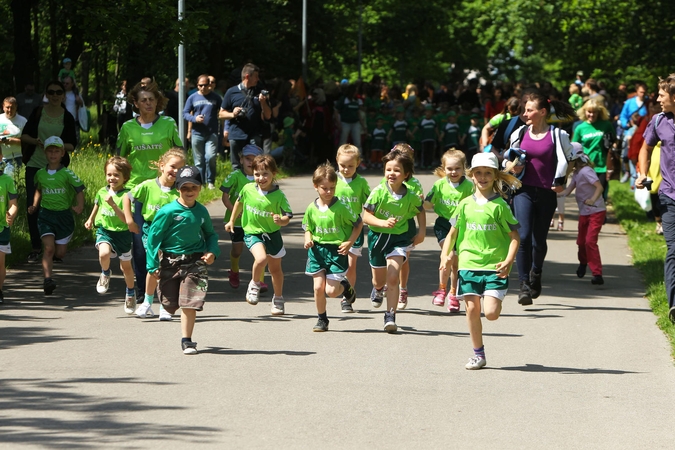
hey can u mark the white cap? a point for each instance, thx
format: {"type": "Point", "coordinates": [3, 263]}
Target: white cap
{"type": "Point", "coordinates": [53, 141]}
{"type": "Point", "coordinates": [485, 160]}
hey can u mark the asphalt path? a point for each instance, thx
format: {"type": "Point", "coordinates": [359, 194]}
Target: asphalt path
{"type": "Point", "coordinates": [584, 367]}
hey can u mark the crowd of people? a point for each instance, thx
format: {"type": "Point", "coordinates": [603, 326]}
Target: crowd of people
{"type": "Point", "coordinates": [505, 156]}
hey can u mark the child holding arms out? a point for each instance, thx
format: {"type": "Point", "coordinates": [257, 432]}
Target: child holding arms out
{"type": "Point", "coordinates": [113, 237]}
{"type": "Point", "coordinates": [386, 212]}
{"type": "Point", "coordinates": [486, 234]}
{"type": "Point", "coordinates": [56, 188]}
{"type": "Point", "coordinates": [592, 212]}
{"type": "Point", "coordinates": [8, 210]}
{"type": "Point", "coordinates": [352, 190]}
{"type": "Point", "coordinates": [183, 232]}
{"type": "Point", "coordinates": [331, 228]}
{"type": "Point", "coordinates": [444, 197]}
{"type": "Point", "coordinates": [264, 210]}
{"type": "Point", "coordinates": [151, 195]}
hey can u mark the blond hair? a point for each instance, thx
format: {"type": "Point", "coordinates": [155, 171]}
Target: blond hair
{"type": "Point", "coordinates": [324, 172]}
{"type": "Point", "coordinates": [504, 182]}
{"type": "Point", "coordinates": [349, 150]}
{"type": "Point", "coordinates": [453, 153]}
{"type": "Point", "coordinates": [594, 105]}
{"type": "Point", "coordinates": [174, 152]}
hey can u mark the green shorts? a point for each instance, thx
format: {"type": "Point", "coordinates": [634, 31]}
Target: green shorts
{"type": "Point", "coordinates": [325, 258]}
{"type": "Point", "coordinates": [481, 283]}
{"type": "Point", "coordinates": [238, 235]}
{"type": "Point", "coordinates": [5, 246]}
{"type": "Point", "coordinates": [119, 241]}
{"type": "Point", "coordinates": [358, 244]}
{"type": "Point", "coordinates": [59, 224]}
{"type": "Point", "coordinates": [382, 246]}
{"type": "Point", "coordinates": [412, 230]}
{"type": "Point", "coordinates": [441, 228]}
{"type": "Point", "coordinates": [274, 245]}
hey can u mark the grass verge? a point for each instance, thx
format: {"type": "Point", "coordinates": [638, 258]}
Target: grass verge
{"type": "Point", "coordinates": [649, 252]}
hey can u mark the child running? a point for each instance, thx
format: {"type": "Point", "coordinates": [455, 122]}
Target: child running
{"type": "Point", "coordinates": [592, 212]}
{"type": "Point", "coordinates": [152, 195]}
{"type": "Point", "coordinates": [8, 210]}
{"type": "Point", "coordinates": [113, 237]}
{"type": "Point", "coordinates": [264, 210]}
{"type": "Point", "coordinates": [387, 212]}
{"type": "Point", "coordinates": [444, 197]}
{"type": "Point", "coordinates": [352, 190]}
{"type": "Point", "coordinates": [486, 234]}
{"type": "Point", "coordinates": [182, 231]}
{"type": "Point", "coordinates": [231, 187]}
{"type": "Point", "coordinates": [331, 228]}
{"type": "Point", "coordinates": [56, 188]}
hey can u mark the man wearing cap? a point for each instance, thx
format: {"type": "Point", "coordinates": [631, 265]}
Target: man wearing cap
{"type": "Point", "coordinates": [245, 107]}
{"type": "Point", "coordinates": [11, 127]}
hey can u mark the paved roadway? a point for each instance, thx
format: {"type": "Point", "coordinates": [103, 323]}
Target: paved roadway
{"type": "Point", "coordinates": [584, 367]}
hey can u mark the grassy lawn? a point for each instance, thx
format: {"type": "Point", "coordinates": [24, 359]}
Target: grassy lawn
{"type": "Point", "coordinates": [649, 252]}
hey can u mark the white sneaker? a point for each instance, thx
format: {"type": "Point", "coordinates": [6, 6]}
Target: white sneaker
{"type": "Point", "coordinates": [211, 186]}
{"type": "Point", "coordinates": [476, 362]}
{"type": "Point", "coordinates": [253, 293]}
{"type": "Point", "coordinates": [144, 311]}
{"type": "Point", "coordinates": [164, 315]}
{"type": "Point", "coordinates": [103, 283]}
{"type": "Point", "coordinates": [277, 306]}
{"type": "Point", "coordinates": [129, 304]}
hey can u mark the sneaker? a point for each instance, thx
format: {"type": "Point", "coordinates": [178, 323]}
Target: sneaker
{"type": "Point", "coordinates": [189, 347]}
{"type": "Point", "coordinates": [402, 299]}
{"type": "Point", "coordinates": [211, 186]}
{"type": "Point", "coordinates": [535, 284]}
{"type": "Point", "coordinates": [321, 325]}
{"type": "Point", "coordinates": [144, 311]}
{"type": "Point", "coordinates": [57, 260]}
{"type": "Point", "coordinates": [164, 315]}
{"type": "Point", "coordinates": [129, 304]}
{"type": "Point", "coordinates": [264, 287]}
{"type": "Point", "coordinates": [439, 298]}
{"type": "Point", "coordinates": [253, 293]}
{"type": "Point", "coordinates": [103, 283]}
{"type": "Point", "coordinates": [349, 295]}
{"type": "Point", "coordinates": [581, 270]}
{"type": "Point", "coordinates": [346, 307]}
{"type": "Point", "coordinates": [659, 228]}
{"type": "Point", "coordinates": [49, 286]}
{"type": "Point", "coordinates": [33, 257]}
{"type": "Point", "coordinates": [597, 279]}
{"type": "Point", "coordinates": [476, 362]}
{"type": "Point", "coordinates": [277, 306]}
{"type": "Point", "coordinates": [671, 314]}
{"type": "Point", "coordinates": [376, 297]}
{"type": "Point", "coordinates": [390, 321]}
{"type": "Point", "coordinates": [234, 279]}
{"type": "Point", "coordinates": [453, 303]}
{"type": "Point", "coordinates": [524, 297]}
{"type": "Point", "coordinates": [625, 177]}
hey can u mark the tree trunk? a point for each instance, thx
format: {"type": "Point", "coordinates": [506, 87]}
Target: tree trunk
{"type": "Point", "coordinates": [25, 68]}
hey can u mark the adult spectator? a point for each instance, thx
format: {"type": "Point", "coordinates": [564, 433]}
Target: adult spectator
{"type": "Point", "coordinates": [201, 110]}
{"type": "Point", "coordinates": [349, 107]}
{"type": "Point", "coordinates": [28, 100]}
{"type": "Point", "coordinates": [495, 105]}
{"type": "Point", "coordinates": [11, 127]}
{"type": "Point", "coordinates": [662, 128]}
{"type": "Point", "coordinates": [73, 100]}
{"type": "Point", "coordinates": [636, 104]}
{"type": "Point", "coordinates": [245, 107]}
{"type": "Point", "coordinates": [142, 141]}
{"type": "Point", "coordinates": [52, 119]}
{"type": "Point", "coordinates": [591, 90]}
{"type": "Point", "coordinates": [546, 150]}
{"type": "Point", "coordinates": [121, 106]}
{"type": "Point", "coordinates": [171, 109]}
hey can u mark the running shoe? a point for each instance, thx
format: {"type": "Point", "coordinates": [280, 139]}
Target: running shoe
{"type": "Point", "coordinates": [402, 299]}
{"type": "Point", "coordinates": [439, 297]}
{"type": "Point", "coordinates": [277, 306]}
{"type": "Point", "coordinates": [103, 283]}
{"type": "Point", "coordinates": [264, 287]}
{"type": "Point", "coordinates": [253, 293]}
{"type": "Point", "coordinates": [376, 297]}
{"type": "Point", "coordinates": [129, 303]}
{"type": "Point", "coordinates": [189, 348]}
{"type": "Point", "coordinates": [476, 362]}
{"type": "Point", "coordinates": [144, 311]}
{"type": "Point", "coordinates": [49, 286]}
{"type": "Point", "coordinates": [390, 321]}
{"type": "Point", "coordinates": [164, 315]}
{"type": "Point", "coordinates": [234, 279]}
{"type": "Point", "coordinates": [346, 307]}
{"type": "Point", "coordinates": [321, 325]}
{"type": "Point", "coordinates": [453, 303]}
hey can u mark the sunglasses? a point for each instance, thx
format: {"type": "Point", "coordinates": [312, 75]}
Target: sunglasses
{"type": "Point", "coordinates": [52, 92]}
{"type": "Point", "coordinates": [203, 85]}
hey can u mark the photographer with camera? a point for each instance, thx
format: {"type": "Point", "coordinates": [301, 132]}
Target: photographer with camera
{"type": "Point", "coordinates": [245, 106]}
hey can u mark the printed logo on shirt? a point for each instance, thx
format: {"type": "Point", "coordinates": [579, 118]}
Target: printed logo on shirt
{"type": "Point", "coordinates": [258, 212]}
{"type": "Point", "coordinates": [178, 218]}
{"type": "Point", "coordinates": [57, 191]}
{"type": "Point", "coordinates": [147, 147]}
{"type": "Point", "coordinates": [481, 226]}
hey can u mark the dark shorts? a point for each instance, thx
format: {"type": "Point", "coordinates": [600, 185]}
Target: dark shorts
{"type": "Point", "coordinates": [382, 246]}
{"type": "Point", "coordinates": [183, 282]}
{"type": "Point", "coordinates": [441, 228]}
{"type": "Point", "coordinates": [412, 230]}
{"type": "Point", "coordinates": [481, 283]}
{"type": "Point", "coordinates": [274, 244]}
{"type": "Point", "coordinates": [237, 235]}
{"type": "Point", "coordinates": [5, 246]}
{"type": "Point", "coordinates": [119, 242]}
{"type": "Point", "coordinates": [325, 258]}
{"type": "Point", "coordinates": [59, 224]}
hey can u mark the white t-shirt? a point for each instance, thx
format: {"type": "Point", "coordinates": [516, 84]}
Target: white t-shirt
{"type": "Point", "coordinates": [71, 104]}
{"type": "Point", "coordinates": [14, 127]}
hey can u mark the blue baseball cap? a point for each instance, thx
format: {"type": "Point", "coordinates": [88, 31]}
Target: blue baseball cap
{"type": "Point", "coordinates": [251, 149]}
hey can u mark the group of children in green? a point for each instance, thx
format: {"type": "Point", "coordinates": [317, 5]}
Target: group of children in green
{"type": "Point", "coordinates": [475, 229]}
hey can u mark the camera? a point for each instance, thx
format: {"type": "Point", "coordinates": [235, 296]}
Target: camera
{"type": "Point", "coordinates": [265, 93]}
{"type": "Point", "coordinates": [647, 183]}
{"type": "Point", "coordinates": [242, 112]}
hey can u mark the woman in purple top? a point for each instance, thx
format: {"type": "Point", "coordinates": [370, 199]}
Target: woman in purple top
{"type": "Point", "coordinates": [662, 128]}
{"type": "Point", "coordinates": [546, 150]}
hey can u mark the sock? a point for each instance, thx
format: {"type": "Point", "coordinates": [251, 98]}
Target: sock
{"type": "Point", "coordinates": [441, 286]}
{"type": "Point", "coordinates": [234, 262]}
{"type": "Point", "coordinates": [131, 292]}
{"type": "Point", "coordinates": [106, 272]}
{"type": "Point", "coordinates": [479, 352]}
{"type": "Point", "coordinates": [149, 298]}
{"type": "Point", "coordinates": [262, 277]}
{"type": "Point", "coordinates": [401, 288]}
{"type": "Point", "coordinates": [323, 316]}
{"type": "Point", "coordinates": [345, 285]}
{"type": "Point", "coordinates": [185, 340]}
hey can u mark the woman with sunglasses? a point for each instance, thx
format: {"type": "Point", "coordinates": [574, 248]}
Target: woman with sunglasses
{"type": "Point", "coordinates": [50, 119]}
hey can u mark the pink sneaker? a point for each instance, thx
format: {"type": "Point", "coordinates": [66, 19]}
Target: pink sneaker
{"type": "Point", "coordinates": [263, 287]}
{"type": "Point", "coordinates": [234, 279]}
{"type": "Point", "coordinates": [403, 299]}
{"type": "Point", "coordinates": [453, 303]}
{"type": "Point", "coordinates": [439, 297]}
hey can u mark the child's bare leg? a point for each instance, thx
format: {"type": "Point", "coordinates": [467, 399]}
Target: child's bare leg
{"type": "Point", "coordinates": [453, 273]}
{"type": "Point", "coordinates": [405, 273]}
{"type": "Point", "coordinates": [319, 292]}
{"type": "Point", "coordinates": [49, 245]}
{"type": "Point", "coordinates": [128, 273]}
{"type": "Point", "coordinates": [150, 285]}
{"type": "Point", "coordinates": [274, 266]}
{"type": "Point", "coordinates": [187, 322]}
{"type": "Point", "coordinates": [443, 274]}
{"type": "Point", "coordinates": [492, 308]}
{"type": "Point", "coordinates": [472, 303]}
{"type": "Point", "coordinates": [3, 270]}
{"type": "Point", "coordinates": [394, 265]}
{"type": "Point", "coordinates": [259, 260]}
{"type": "Point", "coordinates": [380, 278]}
{"type": "Point", "coordinates": [104, 251]}
{"type": "Point", "coordinates": [351, 271]}
{"type": "Point", "coordinates": [60, 251]}
{"type": "Point", "coordinates": [333, 288]}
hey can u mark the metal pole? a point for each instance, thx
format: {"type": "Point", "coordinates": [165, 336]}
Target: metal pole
{"type": "Point", "coordinates": [181, 76]}
{"type": "Point", "coordinates": [304, 41]}
{"type": "Point", "coordinates": [360, 34]}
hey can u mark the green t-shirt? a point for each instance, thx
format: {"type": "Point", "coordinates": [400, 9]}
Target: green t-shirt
{"type": "Point", "coordinates": [451, 135]}
{"type": "Point", "coordinates": [152, 196]}
{"type": "Point", "coordinates": [383, 204]}
{"type": "Point", "coordinates": [353, 192]}
{"type": "Point", "coordinates": [445, 196]}
{"type": "Point", "coordinates": [106, 217]}
{"type": "Point", "coordinates": [331, 225]}
{"type": "Point", "coordinates": [498, 119]}
{"type": "Point", "coordinates": [427, 129]}
{"type": "Point", "coordinates": [413, 184]}
{"type": "Point", "coordinates": [7, 193]}
{"type": "Point", "coordinates": [576, 100]}
{"type": "Point", "coordinates": [590, 136]}
{"type": "Point", "coordinates": [413, 124]}
{"type": "Point", "coordinates": [58, 188]}
{"type": "Point", "coordinates": [399, 131]}
{"type": "Point", "coordinates": [231, 186]}
{"type": "Point", "coordinates": [474, 136]}
{"type": "Point", "coordinates": [259, 206]}
{"type": "Point", "coordinates": [180, 230]}
{"type": "Point", "coordinates": [142, 146]}
{"type": "Point", "coordinates": [379, 141]}
{"type": "Point", "coordinates": [483, 233]}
